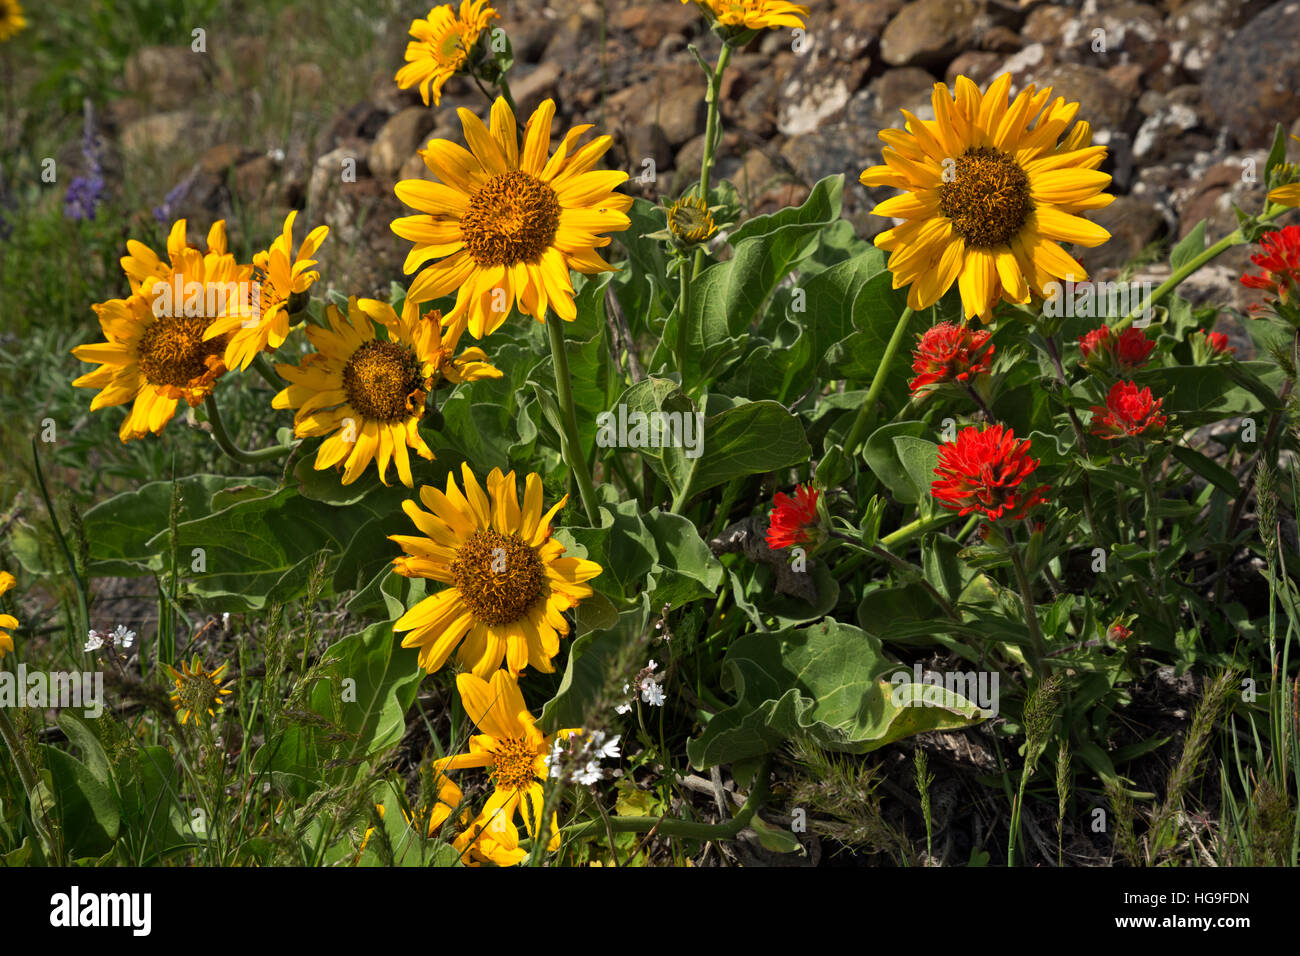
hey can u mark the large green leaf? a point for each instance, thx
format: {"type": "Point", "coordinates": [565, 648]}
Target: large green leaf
{"type": "Point", "coordinates": [822, 683]}
{"type": "Point", "coordinates": [88, 811]}
{"type": "Point", "coordinates": [588, 673]}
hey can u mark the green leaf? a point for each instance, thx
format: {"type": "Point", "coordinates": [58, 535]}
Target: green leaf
{"type": "Point", "coordinates": [1276, 152]}
{"type": "Point", "coordinates": [882, 456]}
{"type": "Point", "coordinates": [823, 683]}
{"type": "Point", "coordinates": [686, 569]}
{"type": "Point", "coordinates": [919, 458]}
{"type": "Point", "coordinates": [1191, 246]}
{"type": "Point", "coordinates": [588, 673]}
{"type": "Point", "coordinates": [88, 811]}
{"type": "Point", "coordinates": [1210, 470]}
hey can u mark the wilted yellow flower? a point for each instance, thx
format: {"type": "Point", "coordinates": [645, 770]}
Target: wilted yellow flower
{"type": "Point", "coordinates": [507, 225]}
{"type": "Point", "coordinates": [690, 221]}
{"type": "Point", "coordinates": [368, 393]}
{"type": "Point", "coordinates": [196, 689]}
{"type": "Point", "coordinates": [990, 190]}
{"type": "Point", "coordinates": [157, 350]}
{"type": "Point", "coordinates": [509, 584]}
{"type": "Point", "coordinates": [278, 275]}
{"type": "Point", "coordinates": [441, 46]}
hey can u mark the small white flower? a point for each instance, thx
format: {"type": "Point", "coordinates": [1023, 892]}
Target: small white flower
{"type": "Point", "coordinates": [94, 641]}
{"type": "Point", "coordinates": [623, 708]}
{"type": "Point", "coordinates": [652, 693]}
{"type": "Point", "coordinates": [589, 774]}
{"type": "Point", "coordinates": [553, 761]}
{"type": "Point", "coordinates": [651, 666]}
{"type": "Point", "coordinates": [607, 749]}
{"type": "Point", "coordinates": [122, 637]}
{"type": "Point", "coordinates": [225, 619]}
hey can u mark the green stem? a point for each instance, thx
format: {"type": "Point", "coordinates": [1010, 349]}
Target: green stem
{"type": "Point", "coordinates": [710, 136]}
{"type": "Point", "coordinates": [232, 450]}
{"type": "Point", "coordinates": [686, 828]}
{"type": "Point", "coordinates": [860, 424]}
{"type": "Point", "coordinates": [504, 86]}
{"type": "Point", "coordinates": [919, 526]}
{"type": "Point", "coordinates": [1234, 238]}
{"type": "Point", "coordinates": [264, 369]}
{"type": "Point", "coordinates": [572, 449]}
{"type": "Point", "coordinates": [82, 600]}
{"type": "Point", "coordinates": [1037, 646]}
{"type": "Point", "coordinates": [683, 309]}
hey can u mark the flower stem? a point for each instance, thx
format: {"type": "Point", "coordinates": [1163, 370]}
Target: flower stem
{"type": "Point", "coordinates": [683, 309]}
{"type": "Point", "coordinates": [232, 450]}
{"type": "Point", "coordinates": [264, 369]}
{"type": "Point", "coordinates": [1037, 647]}
{"type": "Point", "coordinates": [859, 431]}
{"type": "Point", "coordinates": [712, 97]}
{"type": "Point", "coordinates": [572, 449]}
{"type": "Point", "coordinates": [27, 774]}
{"type": "Point", "coordinates": [1223, 245]}
{"type": "Point", "coordinates": [83, 601]}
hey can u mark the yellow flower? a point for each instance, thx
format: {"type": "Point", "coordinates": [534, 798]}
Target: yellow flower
{"type": "Point", "coordinates": [369, 392]}
{"type": "Point", "coordinates": [518, 754]}
{"type": "Point", "coordinates": [754, 14]}
{"type": "Point", "coordinates": [507, 225]}
{"type": "Point", "coordinates": [509, 585]}
{"type": "Point", "coordinates": [11, 18]}
{"type": "Point", "coordinates": [1286, 195]}
{"type": "Point", "coordinates": [447, 802]}
{"type": "Point", "coordinates": [157, 351]}
{"type": "Point", "coordinates": [990, 191]}
{"type": "Point", "coordinates": [7, 621]}
{"type": "Point", "coordinates": [196, 689]}
{"type": "Point", "coordinates": [278, 276]}
{"type": "Point", "coordinates": [441, 46]}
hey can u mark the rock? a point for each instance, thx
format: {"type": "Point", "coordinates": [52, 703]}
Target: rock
{"type": "Point", "coordinates": [758, 171]}
{"type": "Point", "coordinates": [808, 104]}
{"type": "Point", "coordinates": [254, 183]}
{"type": "Point", "coordinates": [634, 143]}
{"type": "Point", "coordinates": [1161, 133]}
{"type": "Point", "coordinates": [358, 209]}
{"type": "Point", "coordinates": [308, 79]}
{"type": "Point", "coordinates": [980, 66]}
{"type": "Point", "coordinates": [1045, 25]}
{"type": "Point", "coordinates": [538, 84]}
{"type": "Point", "coordinates": [398, 139]}
{"type": "Point", "coordinates": [673, 100]}
{"type": "Point", "coordinates": [1099, 102]}
{"type": "Point", "coordinates": [930, 32]}
{"type": "Point", "coordinates": [161, 132]}
{"type": "Point", "coordinates": [166, 77]}
{"type": "Point", "coordinates": [415, 168]}
{"type": "Point", "coordinates": [1253, 82]}
{"type": "Point", "coordinates": [1133, 223]}
{"type": "Point", "coordinates": [905, 88]}
{"type": "Point", "coordinates": [1001, 40]}
{"type": "Point", "coordinates": [1202, 26]}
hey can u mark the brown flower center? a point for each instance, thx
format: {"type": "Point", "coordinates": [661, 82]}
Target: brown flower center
{"type": "Point", "coordinates": [197, 692]}
{"type": "Point", "coordinates": [499, 576]}
{"type": "Point", "coordinates": [987, 199]}
{"type": "Point", "coordinates": [172, 351]}
{"type": "Point", "coordinates": [514, 764]}
{"type": "Point", "coordinates": [512, 218]}
{"type": "Point", "coordinates": [690, 220]}
{"type": "Point", "coordinates": [380, 380]}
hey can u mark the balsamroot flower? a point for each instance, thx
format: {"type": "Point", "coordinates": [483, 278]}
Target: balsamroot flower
{"type": "Point", "coordinates": [509, 582]}
{"type": "Point", "coordinates": [1280, 262]}
{"type": "Point", "coordinates": [984, 471]}
{"type": "Point", "coordinates": [505, 223]}
{"type": "Point", "coordinates": [279, 276]}
{"type": "Point", "coordinates": [990, 191]}
{"type": "Point", "coordinates": [1129, 412]}
{"type": "Point", "coordinates": [441, 46]}
{"type": "Point", "coordinates": [792, 518]}
{"type": "Point", "coordinates": [517, 754]}
{"type": "Point", "coordinates": [1121, 354]}
{"type": "Point", "coordinates": [950, 353]}
{"type": "Point", "coordinates": [157, 350]}
{"type": "Point", "coordinates": [7, 621]}
{"type": "Point", "coordinates": [753, 14]}
{"type": "Point", "coordinates": [196, 689]}
{"type": "Point", "coordinates": [368, 393]}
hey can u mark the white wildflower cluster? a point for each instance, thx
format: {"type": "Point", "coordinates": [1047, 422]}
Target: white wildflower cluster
{"type": "Point", "coordinates": [586, 751]}
{"type": "Point", "coordinates": [120, 638]}
{"type": "Point", "coordinates": [647, 687]}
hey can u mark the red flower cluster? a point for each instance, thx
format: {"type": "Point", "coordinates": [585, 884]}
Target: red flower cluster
{"type": "Point", "coordinates": [983, 471]}
{"type": "Point", "coordinates": [1129, 412]}
{"type": "Point", "coordinates": [1280, 261]}
{"type": "Point", "coordinates": [1118, 633]}
{"type": "Point", "coordinates": [792, 517]}
{"type": "Point", "coordinates": [1124, 354]}
{"type": "Point", "coordinates": [950, 353]}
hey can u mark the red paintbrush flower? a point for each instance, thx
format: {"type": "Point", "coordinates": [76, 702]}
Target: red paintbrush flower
{"type": "Point", "coordinates": [792, 517]}
{"type": "Point", "coordinates": [983, 471]}
{"type": "Point", "coordinates": [1280, 261]}
{"type": "Point", "coordinates": [1122, 354]}
{"type": "Point", "coordinates": [1210, 347]}
{"type": "Point", "coordinates": [950, 353]}
{"type": "Point", "coordinates": [1129, 412]}
{"type": "Point", "coordinates": [1118, 633]}
{"type": "Point", "coordinates": [1218, 342]}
